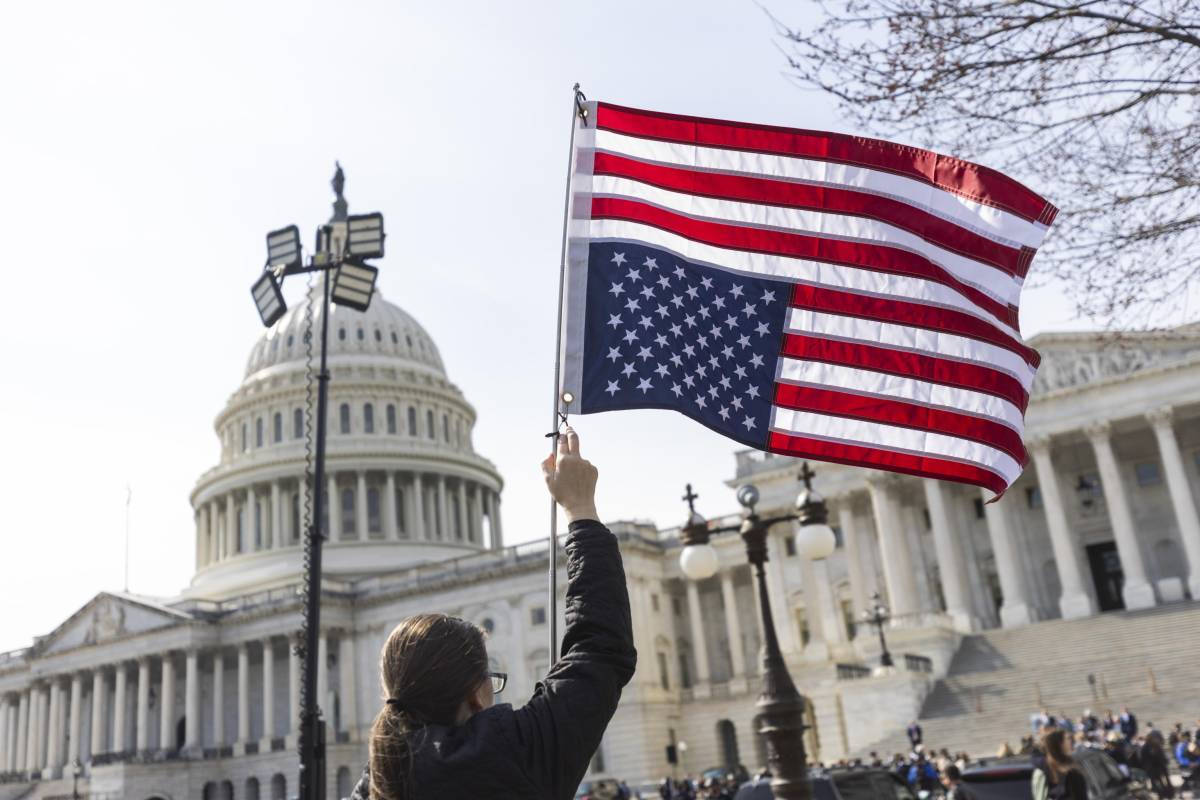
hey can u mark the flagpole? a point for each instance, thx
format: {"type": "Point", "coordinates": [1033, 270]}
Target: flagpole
{"type": "Point", "coordinates": [558, 414]}
{"type": "Point", "coordinates": [128, 500]}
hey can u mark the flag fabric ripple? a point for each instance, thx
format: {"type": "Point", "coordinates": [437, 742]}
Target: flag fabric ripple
{"type": "Point", "coordinates": [806, 293]}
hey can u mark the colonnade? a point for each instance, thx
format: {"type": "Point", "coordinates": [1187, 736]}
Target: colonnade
{"type": "Point", "coordinates": [41, 728]}
{"type": "Point", "coordinates": [387, 506]}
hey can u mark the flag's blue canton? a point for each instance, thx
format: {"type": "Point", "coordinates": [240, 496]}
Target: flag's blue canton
{"type": "Point", "coordinates": [666, 333]}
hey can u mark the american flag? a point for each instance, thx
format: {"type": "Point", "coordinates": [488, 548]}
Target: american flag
{"type": "Point", "coordinates": [811, 294]}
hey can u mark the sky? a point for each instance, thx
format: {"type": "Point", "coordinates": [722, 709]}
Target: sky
{"type": "Point", "coordinates": [147, 149]}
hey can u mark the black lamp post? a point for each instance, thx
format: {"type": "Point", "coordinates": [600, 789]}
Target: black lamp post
{"type": "Point", "coordinates": [877, 615]}
{"type": "Point", "coordinates": [342, 246]}
{"type": "Point", "coordinates": [780, 705]}
{"type": "Point", "coordinates": [76, 771]}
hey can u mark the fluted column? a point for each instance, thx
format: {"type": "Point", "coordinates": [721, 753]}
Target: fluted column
{"type": "Point", "coordinates": [54, 734]}
{"type": "Point", "coordinates": [952, 567]}
{"type": "Point", "coordinates": [1180, 490]}
{"type": "Point", "coordinates": [120, 689]}
{"type": "Point", "coordinates": [75, 719]}
{"type": "Point", "coordinates": [243, 695]}
{"type": "Point", "coordinates": [166, 699]}
{"type": "Point", "coordinates": [218, 698]}
{"type": "Point", "coordinates": [335, 508]}
{"type": "Point", "coordinates": [390, 517]}
{"type": "Point", "coordinates": [733, 624]}
{"type": "Point", "coordinates": [1017, 608]}
{"type": "Point", "coordinates": [832, 623]}
{"type": "Point", "coordinates": [143, 705]}
{"type": "Point", "coordinates": [699, 640]}
{"type": "Point", "coordinates": [360, 507]}
{"type": "Point", "coordinates": [268, 698]}
{"type": "Point", "coordinates": [419, 529]}
{"type": "Point", "coordinates": [497, 528]}
{"type": "Point", "coordinates": [18, 762]}
{"type": "Point", "coordinates": [99, 695]}
{"type": "Point", "coordinates": [477, 515]}
{"type": "Point", "coordinates": [897, 562]}
{"type": "Point", "coordinates": [276, 515]}
{"type": "Point", "coordinates": [293, 688]}
{"type": "Point", "coordinates": [216, 549]}
{"type": "Point", "coordinates": [463, 521]}
{"type": "Point", "coordinates": [443, 519]}
{"type": "Point", "coordinates": [191, 701]}
{"type": "Point", "coordinates": [347, 684]}
{"type": "Point", "coordinates": [1076, 601]}
{"type": "Point", "coordinates": [852, 540]}
{"type": "Point", "coordinates": [231, 537]}
{"type": "Point", "coordinates": [1137, 591]}
{"type": "Point", "coordinates": [34, 737]}
{"type": "Point", "coordinates": [6, 739]}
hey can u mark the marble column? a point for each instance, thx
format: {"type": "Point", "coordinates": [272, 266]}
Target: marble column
{"type": "Point", "coordinates": [897, 564]}
{"type": "Point", "coordinates": [75, 724]}
{"type": "Point", "coordinates": [96, 743]}
{"type": "Point", "coordinates": [203, 540]}
{"type": "Point", "coordinates": [952, 568]}
{"type": "Point", "coordinates": [1180, 490]}
{"type": "Point", "coordinates": [243, 695]}
{"type": "Point", "coordinates": [832, 621]}
{"type": "Point", "coordinates": [166, 700]}
{"type": "Point", "coordinates": [347, 685]}
{"type": "Point", "coordinates": [390, 517]}
{"type": "Point", "coordinates": [18, 762]}
{"type": "Point", "coordinates": [1017, 608]}
{"type": "Point", "coordinates": [34, 736]}
{"type": "Point", "coordinates": [443, 520]}
{"type": "Point", "coordinates": [276, 515]}
{"type": "Point", "coordinates": [477, 515]}
{"type": "Point", "coordinates": [5, 737]}
{"type": "Point", "coordinates": [360, 508]}
{"type": "Point", "coordinates": [191, 700]}
{"type": "Point", "coordinates": [120, 690]}
{"type": "Point", "coordinates": [216, 549]}
{"type": "Point", "coordinates": [218, 698]}
{"type": "Point", "coordinates": [54, 733]}
{"type": "Point", "coordinates": [497, 529]}
{"type": "Point", "coordinates": [462, 521]}
{"type": "Point", "coordinates": [419, 529]}
{"type": "Point", "coordinates": [322, 672]}
{"type": "Point", "coordinates": [699, 640]}
{"type": "Point", "coordinates": [733, 624]}
{"type": "Point", "coordinates": [335, 508]}
{"type": "Point", "coordinates": [293, 688]}
{"type": "Point", "coordinates": [143, 705]}
{"type": "Point", "coordinates": [231, 544]}
{"type": "Point", "coordinates": [786, 628]}
{"type": "Point", "coordinates": [1076, 601]}
{"type": "Point", "coordinates": [268, 694]}
{"type": "Point", "coordinates": [853, 543]}
{"type": "Point", "coordinates": [1138, 592]}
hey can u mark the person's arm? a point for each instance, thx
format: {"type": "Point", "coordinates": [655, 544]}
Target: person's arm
{"type": "Point", "coordinates": [1039, 789]}
{"type": "Point", "coordinates": [560, 728]}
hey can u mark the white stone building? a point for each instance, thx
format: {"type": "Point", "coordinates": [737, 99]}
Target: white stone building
{"type": "Point", "coordinates": [197, 696]}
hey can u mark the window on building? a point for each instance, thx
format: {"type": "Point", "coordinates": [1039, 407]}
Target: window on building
{"type": "Point", "coordinates": [664, 678]}
{"type": "Point", "coordinates": [258, 525]}
{"type": "Point", "coordinates": [446, 427]}
{"type": "Point", "coordinates": [298, 424]}
{"type": "Point", "coordinates": [537, 615]}
{"type": "Point", "coordinates": [789, 545]}
{"type": "Point", "coordinates": [341, 334]}
{"type": "Point", "coordinates": [429, 424]}
{"type": "Point", "coordinates": [802, 623]}
{"type": "Point", "coordinates": [296, 517]}
{"type": "Point", "coordinates": [374, 518]}
{"type": "Point", "coordinates": [400, 512]}
{"type": "Point", "coordinates": [676, 607]}
{"type": "Point", "coordinates": [258, 432]}
{"type": "Point", "coordinates": [348, 521]}
{"type": "Point", "coordinates": [1147, 473]}
{"type": "Point", "coordinates": [241, 529]}
{"type": "Point", "coordinates": [685, 672]}
{"type": "Point", "coordinates": [391, 418]}
{"type": "Point", "coordinates": [654, 601]}
{"type": "Point", "coordinates": [245, 441]}
{"type": "Point", "coordinates": [395, 340]}
{"type": "Point", "coordinates": [378, 335]}
{"type": "Point", "coordinates": [368, 418]}
{"type": "Point", "coordinates": [361, 335]}
{"type": "Point", "coordinates": [978, 503]}
{"type": "Point", "coordinates": [344, 418]}
{"type": "Point", "coordinates": [1033, 498]}
{"type": "Point", "coordinates": [278, 427]}
{"type": "Point", "coordinates": [847, 608]}
{"type": "Point", "coordinates": [412, 421]}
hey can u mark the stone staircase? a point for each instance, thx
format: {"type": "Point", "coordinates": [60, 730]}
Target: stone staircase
{"type": "Point", "coordinates": [1148, 660]}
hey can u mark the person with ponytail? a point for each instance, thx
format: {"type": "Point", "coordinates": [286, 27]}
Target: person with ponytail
{"type": "Point", "coordinates": [1057, 777]}
{"type": "Point", "coordinates": [439, 733]}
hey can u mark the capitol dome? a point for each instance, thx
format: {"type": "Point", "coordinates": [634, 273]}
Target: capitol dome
{"type": "Point", "coordinates": [404, 484]}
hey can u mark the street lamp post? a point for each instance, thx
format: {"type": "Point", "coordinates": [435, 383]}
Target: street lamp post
{"type": "Point", "coordinates": [780, 704]}
{"type": "Point", "coordinates": [76, 772]}
{"type": "Point", "coordinates": [342, 246]}
{"type": "Point", "coordinates": [878, 615]}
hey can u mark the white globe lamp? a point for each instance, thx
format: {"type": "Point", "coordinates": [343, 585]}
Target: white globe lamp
{"type": "Point", "coordinates": [815, 540]}
{"type": "Point", "coordinates": [698, 561]}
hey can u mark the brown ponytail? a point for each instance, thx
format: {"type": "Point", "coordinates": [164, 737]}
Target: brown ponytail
{"type": "Point", "coordinates": [1058, 758]}
{"type": "Point", "coordinates": [429, 665]}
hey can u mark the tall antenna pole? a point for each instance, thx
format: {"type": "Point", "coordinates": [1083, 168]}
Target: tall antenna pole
{"type": "Point", "coordinates": [128, 500]}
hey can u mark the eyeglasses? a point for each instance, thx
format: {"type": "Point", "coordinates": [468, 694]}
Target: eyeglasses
{"type": "Point", "coordinates": [499, 681]}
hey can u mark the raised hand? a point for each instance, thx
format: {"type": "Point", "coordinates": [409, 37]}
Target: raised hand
{"type": "Point", "coordinates": [571, 479]}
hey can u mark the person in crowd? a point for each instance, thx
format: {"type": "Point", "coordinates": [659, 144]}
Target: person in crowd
{"type": "Point", "coordinates": [1152, 757]}
{"type": "Point", "coordinates": [1058, 778]}
{"type": "Point", "coordinates": [875, 761]}
{"type": "Point", "coordinates": [943, 760]}
{"type": "Point", "coordinates": [1118, 750]}
{"type": "Point", "coordinates": [1110, 722]}
{"type": "Point", "coordinates": [914, 734]}
{"type": "Point", "coordinates": [922, 775]}
{"type": "Point", "coordinates": [1064, 722]}
{"type": "Point", "coordinates": [1006, 750]}
{"type": "Point", "coordinates": [1039, 720]}
{"type": "Point", "coordinates": [439, 731]}
{"type": "Point", "coordinates": [953, 782]}
{"type": "Point", "coordinates": [666, 788]}
{"type": "Point", "coordinates": [1187, 756]}
{"type": "Point", "coordinates": [1128, 722]}
{"type": "Point", "coordinates": [1089, 722]}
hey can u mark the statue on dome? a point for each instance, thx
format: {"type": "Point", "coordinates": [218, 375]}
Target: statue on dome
{"type": "Point", "coordinates": [339, 202]}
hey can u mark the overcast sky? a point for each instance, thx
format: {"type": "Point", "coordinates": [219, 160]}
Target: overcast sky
{"type": "Point", "coordinates": [148, 147]}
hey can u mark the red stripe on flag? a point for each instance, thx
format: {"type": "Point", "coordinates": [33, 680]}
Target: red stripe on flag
{"type": "Point", "coordinates": [942, 371]}
{"type": "Point", "coordinates": [789, 194]}
{"type": "Point", "coordinates": [849, 405]}
{"type": "Point", "coordinates": [902, 312]}
{"type": "Point", "coordinates": [877, 458]}
{"type": "Point", "coordinates": [876, 258]}
{"type": "Point", "coordinates": [963, 178]}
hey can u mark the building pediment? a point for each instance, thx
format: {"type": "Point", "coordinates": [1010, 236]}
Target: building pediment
{"type": "Point", "coordinates": [105, 618]}
{"type": "Point", "coordinates": [1071, 361]}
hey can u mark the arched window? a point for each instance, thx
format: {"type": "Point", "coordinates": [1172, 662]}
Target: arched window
{"type": "Point", "coordinates": [298, 424]}
{"type": "Point", "coordinates": [341, 334]}
{"type": "Point", "coordinates": [245, 441]}
{"type": "Point", "coordinates": [258, 432]}
{"type": "Point", "coordinates": [278, 787]}
{"type": "Point", "coordinates": [378, 335]}
{"type": "Point", "coordinates": [374, 520]}
{"type": "Point", "coordinates": [252, 789]}
{"type": "Point", "coordinates": [348, 528]}
{"type": "Point", "coordinates": [394, 339]}
{"type": "Point", "coordinates": [391, 418]}
{"type": "Point", "coordinates": [368, 418]}
{"type": "Point", "coordinates": [210, 791]}
{"type": "Point", "coordinates": [360, 334]}
{"type": "Point", "coordinates": [727, 736]}
{"type": "Point", "coordinates": [344, 418]}
{"type": "Point", "coordinates": [278, 426]}
{"type": "Point", "coordinates": [429, 424]}
{"type": "Point", "coordinates": [446, 427]}
{"type": "Point", "coordinates": [412, 421]}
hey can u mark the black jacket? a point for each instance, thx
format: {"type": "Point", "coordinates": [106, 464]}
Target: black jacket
{"type": "Point", "coordinates": [542, 749]}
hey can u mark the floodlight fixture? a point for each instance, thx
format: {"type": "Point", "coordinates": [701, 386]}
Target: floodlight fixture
{"type": "Point", "coordinates": [364, 235]}
{"type": "Point", "coordinates": [283, 248]}
{"type": "Point", "coordinates": [268, 298]}
{"type": "Point", "coordinates": [353, 285]}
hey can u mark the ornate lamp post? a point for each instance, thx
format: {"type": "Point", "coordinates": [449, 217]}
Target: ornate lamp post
{"type": "Point", "coordinates": [877, 615]}
{"type": "Point", "coordinates": [780, 705]}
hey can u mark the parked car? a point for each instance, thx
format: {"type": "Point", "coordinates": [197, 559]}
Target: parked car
{"type": "Point", "coordinates": [1011, 778]}
{"type": "Point", "coordinates": [859, 784]}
